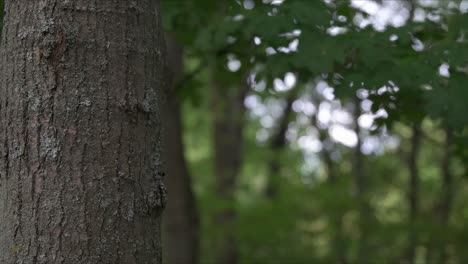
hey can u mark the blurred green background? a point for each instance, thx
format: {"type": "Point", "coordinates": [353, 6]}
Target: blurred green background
{"type": "Point", "coordinates": [349, 144]}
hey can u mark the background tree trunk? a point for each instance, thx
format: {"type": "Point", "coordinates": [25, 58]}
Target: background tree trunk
{"type": "Point", "coordinates": [277, 146]}
{"type": "Point", "coordinates": [447, 195]}
{"type": "Point", "coordinates": [80, 173]}
{"type": "Point", "coordinates": [181, 221]}
{"type": "Point", "coordinates": [360, 183]}
{"type": "Point", "coordinates": [336, 217]}
{"type": "Point", "coordinates": [413, 193]}
{"type": "Point", "coordinates": [228, 114]}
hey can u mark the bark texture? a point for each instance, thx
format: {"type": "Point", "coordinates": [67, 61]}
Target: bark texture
{"type": "Point", "coordinates": [80, 170]}
{"type": "Point", "coordinates": [181, 220]}
{"type": "Point", "coordinates": [228, 113]}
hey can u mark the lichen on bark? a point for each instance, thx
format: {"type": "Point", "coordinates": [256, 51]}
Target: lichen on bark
{"type": "Point", "coordinates": [80, 174]}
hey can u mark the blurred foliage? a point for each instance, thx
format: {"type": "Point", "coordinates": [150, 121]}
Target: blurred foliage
{"type": "Point", "coordinates": [399, 67]}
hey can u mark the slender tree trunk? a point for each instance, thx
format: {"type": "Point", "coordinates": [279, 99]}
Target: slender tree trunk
{"type": "Point", "coordinates": [361, 189]}
{"type": "Point", "coordinates": [336, 220]}
{"type": "Point", "coordinates": [228, 114]}
{"type": "Point", "coordinates": [447, 192]}
{"type": "Point", "coordinates": [80, 173]}
{"type": "Point", "coordinates": [413, 193]}
{"type": "Point", "coordinates": [277, 146]}
{"type": "Point", "coordinates": [336, 215]}
{"type": "Point", "coordinates": [181, 216]}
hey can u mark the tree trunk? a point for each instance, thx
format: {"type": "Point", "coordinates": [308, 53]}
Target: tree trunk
{"type": "Point", "coordinates": [361, 190]}
{"type": "Point", "coordinates": [338, 239]}
{"type": "Point", "coordinates": [413, 194]}
{"type": "Point", "coordinates": [277, 146]}
{"type": "Point", "coordinates": [228, 113]}
{"type": "Point", "coordinates": [447, 193]}
{"type": "Point", "coordinates": [335, 215]}
{"type": "Point", "coordinates": [181, 215]}
{"type": "Point", "coordinates": [80, 168]}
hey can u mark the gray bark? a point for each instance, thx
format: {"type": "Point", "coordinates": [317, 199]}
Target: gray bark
{"type": "Point", "coordinates": [181, 220]}
{"type": "Point", "coordinates": [80, 173]}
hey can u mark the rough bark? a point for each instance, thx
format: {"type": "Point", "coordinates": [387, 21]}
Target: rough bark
{"type": "Point", "coordinates": [228, 117]}
{"type": "Point", "coordinates": [80, 170]}
{"type": "Point", "coordinates": [181, 222]}
{"type": "Point", "coordinates": [277, 146]}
